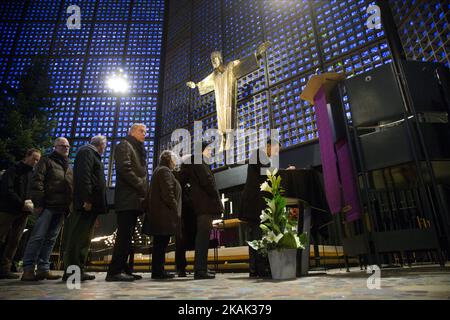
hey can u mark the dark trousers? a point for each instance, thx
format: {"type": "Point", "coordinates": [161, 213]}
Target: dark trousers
{"type": "Point", "coordinates": [160, 244]}
{"type": "Point", "coordinates": [11, 230]}
{"type": "Point", "coordinates": [126, 222]}
{"type": "Point", "coordinates": [204, 226]}
{"type": "Point", "coordinates": [79, 231]}
{"type": "Point", "coordinates": [259, 264]}
{"type": "Point", "coordinates": [180, 253]}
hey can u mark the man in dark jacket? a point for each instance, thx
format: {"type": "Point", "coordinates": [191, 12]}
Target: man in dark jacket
{"type": "Point", "coordinates": [131, 187]}
{"type": "Point", "coordinates": [51, 193]}
{"type": "Point", "coordinates": [89, 201]}
{"type": "Point", "coordinates": [207, 206]}
{"type": "Point", "coordinates": [252, 203]}
{"type": "Point", "coordinates": [15, 207]}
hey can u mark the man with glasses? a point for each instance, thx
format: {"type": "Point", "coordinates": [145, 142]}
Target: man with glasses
{"type": "Point", "coordinates": [51, 193]}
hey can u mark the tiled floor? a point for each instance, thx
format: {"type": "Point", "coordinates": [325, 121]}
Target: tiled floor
{"type": "Point", "coordinates": [408, 283]}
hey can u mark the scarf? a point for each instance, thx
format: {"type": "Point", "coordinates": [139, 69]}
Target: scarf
{"type": "Point", "coordinates": [62, 160]}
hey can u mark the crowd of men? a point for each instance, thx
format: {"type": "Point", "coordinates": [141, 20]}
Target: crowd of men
{"type": "Point", "coordinates": [57, 193]}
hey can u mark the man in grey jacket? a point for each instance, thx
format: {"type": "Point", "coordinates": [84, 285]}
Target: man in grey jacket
{"type": "Point", "coordinates": [131, 187]}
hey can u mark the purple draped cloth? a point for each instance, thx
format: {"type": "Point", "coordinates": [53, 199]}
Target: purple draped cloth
{"type": "Point", "coordinates": [340, 183]}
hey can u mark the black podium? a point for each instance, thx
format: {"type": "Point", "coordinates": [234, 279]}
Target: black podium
{"type": "Point", "coordinates": [304, 189]}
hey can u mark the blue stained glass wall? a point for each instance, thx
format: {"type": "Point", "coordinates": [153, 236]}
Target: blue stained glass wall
{"type": "Point", "coordinates": [306, 35]}
{"type": "Point", "coordinates": [424, 28]}
{"type": "Point", "coordinates": [114, 34]}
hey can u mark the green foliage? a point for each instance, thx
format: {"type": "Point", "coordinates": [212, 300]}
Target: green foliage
{"type": "Point", "coordinates": [279, 229]}
{"type": "Point", "coordinates": [24, 121]}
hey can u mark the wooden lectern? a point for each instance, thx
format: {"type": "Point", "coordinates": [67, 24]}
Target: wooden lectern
{"type": "Point", "coordinates": [340, 183]}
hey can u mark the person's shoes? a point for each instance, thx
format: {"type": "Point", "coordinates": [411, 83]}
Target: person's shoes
{"type": "Point", "coordinates": [181, 274]}
{"type": "Point", "coordinates": [9, 275]}
{"type": "Point", "coordinates": [119, 277]}
{"type": "Point", "coordinates": [135, 276]}
{"type": "Point", "coordinates": [162, 276]}
{"type": "Point", "coordinates": [29, 276]}
{"type": "Point", "coordinates": [204, 275]}
{"type": "Point", "coordinates": [87, 277]}
{"type": "Point", "coordinates": [253, 274]}
{"type": "Point", "coordinates": [47, 275]}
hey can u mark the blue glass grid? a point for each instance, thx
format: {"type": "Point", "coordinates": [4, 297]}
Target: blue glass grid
{"type": "Point", "coordinates": [98, 69]}
{"type": "Point", "coordinates": [35, 38]}
{"type": "Point", "coordinates": [243, 24]}
{"type": "Point", "coordinates": [177, 67]}
{"type": "Point", "coordinates": [3, 63]}
{"type": "Point", "coordinates": [176, 113]}
{"type": "Point", "coordinates": [71, 41]}
{"type": "Point", "coordinates": [425, 32]}
{"type": "Point", "coordinates": [148, 10]}
{"type": "Point", "coordinates": [180, 26]}
{"type": "Point", "coordinates": [8, 30]}
{"type": "Point", "coordinates": [203, 105]}
{"type": "Point", "coordinates": [65, 75]}
{"type": "Point", "coordinates": [252, 114]}
{"type": "Point", "coordinates": [43, 10]}
{"type": "Point", "coordinates": [292, 116]}
{"type": "Point", "coordinates": [362, 61]}
{"type": "Point", "coordinates": [18, 66]}
{"type": "Point", "coordinates": [294, 50]}
{"type": "Point", "coordinates": [145, 39]}
{"type": "Point", "coordinates": [206, 35]}
{"type": "Point", "coordinates": [143, 75]}
{"type": "Point", "coordinates": [401, 8]}
{"type": "Point", "coordinates": [137, 110]}
{"type": "Point", "coordinates": [113, 10]}
{"type": "Point", "coordinates": [342, 26]}
{"type": "Point", "coordinates": [279, 13]}
{"type": "Point", "coordinates": [63, 113]}
{"type": "Point", "coordinates": [96, 115]}
{"type": "Point", "coordinates": [11, 9]}
{"type": "Point", "coordinates": [108, 38]}
{"type": "Point", "coordinates": [74, 146]}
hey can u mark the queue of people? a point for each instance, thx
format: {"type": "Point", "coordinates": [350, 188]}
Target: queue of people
{"type": "Point", "coordinates": [58, 194]}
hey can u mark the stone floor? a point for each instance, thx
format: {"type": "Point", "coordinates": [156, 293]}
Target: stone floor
{"type": "Point", "coordinates": [429, 282]}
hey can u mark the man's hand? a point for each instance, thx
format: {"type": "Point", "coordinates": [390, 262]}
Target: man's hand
{"type": "Point", "coordinates": [38, 210]}
{"type": "Point", "coordinates": [291, 168]}
{"type": "Point", "coordinates": [191, 84]}
{"type": "Point", "coordinates": [87, 206]}
{"type": "Point", "coordinates": [28, 206]}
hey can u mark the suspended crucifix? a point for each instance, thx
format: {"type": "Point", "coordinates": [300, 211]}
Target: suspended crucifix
{"type": "Point", "coordinates": [223, 82]}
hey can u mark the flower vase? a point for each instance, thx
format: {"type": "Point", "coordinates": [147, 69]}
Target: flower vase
{"type": "Point", "coordinates": [283, 264]}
